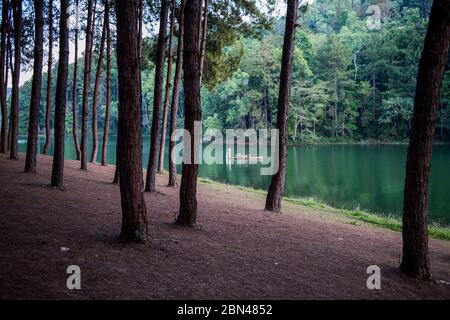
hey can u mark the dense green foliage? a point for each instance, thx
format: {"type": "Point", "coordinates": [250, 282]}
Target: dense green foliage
{"type": "Point", "coordinates": [349, 83]}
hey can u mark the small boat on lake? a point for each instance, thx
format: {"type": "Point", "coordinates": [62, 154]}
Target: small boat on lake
{"type": "Point", "coordinates": [243, 157]}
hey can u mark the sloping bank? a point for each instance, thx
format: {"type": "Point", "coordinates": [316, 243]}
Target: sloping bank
{"type": "Point", "coordinates": [388, 222]}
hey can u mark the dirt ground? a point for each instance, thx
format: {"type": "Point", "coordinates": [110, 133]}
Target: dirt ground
{"type": "Point", "coordinates": [237, 252]}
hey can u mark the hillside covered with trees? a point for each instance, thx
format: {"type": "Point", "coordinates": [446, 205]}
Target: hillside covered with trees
{"type": "Point", "coordinates": [349, 83]}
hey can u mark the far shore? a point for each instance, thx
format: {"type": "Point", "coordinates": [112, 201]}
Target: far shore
{"type": "Point", "coordinates": [294, 144]}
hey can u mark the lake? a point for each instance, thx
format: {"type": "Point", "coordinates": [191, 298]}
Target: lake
{"type": "Point", "coordinates": [370, 177]}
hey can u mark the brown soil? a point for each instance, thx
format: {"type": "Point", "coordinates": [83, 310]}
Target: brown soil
{"type": "Point", "coordinates": [238, 250]}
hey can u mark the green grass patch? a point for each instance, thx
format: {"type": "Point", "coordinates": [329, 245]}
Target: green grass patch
{"type": "Point", "coordinates": [384, 221]}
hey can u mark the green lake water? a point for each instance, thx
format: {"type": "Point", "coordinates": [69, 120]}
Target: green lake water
{"type": "Point", "coordinates": [370, 177]}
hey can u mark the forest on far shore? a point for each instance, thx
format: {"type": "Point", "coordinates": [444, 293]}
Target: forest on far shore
{"type": "Point", "coordinates": [349, 83]}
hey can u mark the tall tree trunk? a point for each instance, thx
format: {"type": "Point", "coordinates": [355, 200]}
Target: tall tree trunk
{"type": "Point", "coordinates": [176, 96]}
{"type": "Point", "coordinates": [3, 85]}
{"type": "Point", "coordinates": [86, 85]}
{"type": "Point", "coordinates": [141, 11]}
{"type": "Point", "coordinates": [48, 109]}
{"type": "Point", "coordinates": [276, 189]}
{"type": "Point", "coordinates": [157, 98]}
{"type": "Point", "coordinates": [33, 126]}
{"type": "Point", "coordinates": [134, 213]}
{"type": "Point", "coordinates": [193, 112]}
{"type": "Point", "coordinates": [75, 95]}
{"type": "Point", "coordinates": [96, 85]}
{"type": "Point", "coordinates": [116, 171]}
{"type": "Point", "coordinates": [108, 86]}
{"type": "Point", "coordinates": [60, 97]}
{"type": "Point", "coordinates": [203, 41]}
{"type": "Point", "coordinates": [415, 260]}
{"type": "Point", "coordinates": [168, 90]}
{"type": "Point", "coordinates": [7, 68]}
{"type": "Point", "coordinates": [17, 9]}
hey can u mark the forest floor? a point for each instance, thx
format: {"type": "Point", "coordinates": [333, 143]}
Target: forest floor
{"type": "Point", "coordinates": [238, 251]}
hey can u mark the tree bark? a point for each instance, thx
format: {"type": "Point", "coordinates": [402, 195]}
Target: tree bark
{"type": "Point", "coordinates": [116, 172]}
{"type": "Point", "coordinates": [17, 17]}
{"type": "Point", "coordinates": [57, 179]}
{"type": "Point", "coordinates": [415, 260]}
{"type": "Point", "coordinates": [4, 124]}
{"type": "Point", "coordinates": [96, 85]}
{"type": "Point", "coordinates": [168, 90]}
{"type": "Point", "coordinates": [75, 96]}
{"type": "Point", "coordinates": [276, 189]}
{"type": "Point", "coordinates": [191, 64]}
{"type": "Point", "coordinates": [116, 176]}
{"type": "Point", "coordinates": [134, 214]}
{"type": "Point", "coordinates": [108, 86]}
{"type": "Point", "coordinates": [9, 66]}
{"type": "Point", "coordinates": [86, 85]}
{"type": "Point", "coordinates": [48, 109]}
{"type": "Point", "coordinates": [176, 96]}
{"type": "Point", "coordinates": [157, 98]}
{"type": "Point", "coordinates": [33, 126]}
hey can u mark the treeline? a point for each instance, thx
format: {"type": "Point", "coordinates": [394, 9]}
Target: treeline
{"type": "Point", "coordinates": [349, 83]}
{"type": "Point", "coordinates": [225, 29]}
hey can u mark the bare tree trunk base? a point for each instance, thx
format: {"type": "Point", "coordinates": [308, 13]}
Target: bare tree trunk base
{"type": "Point", "coordinates": [60, 187]}
{"type": "Point", "coordinates": [134, 236]}
{"type": "Point", "coordinates": [172, 184]}
{"type": "Point", "coordinates": [185, 221]}
{"type": "Point", "coordinates": [272, 207]}
{"type": "Point", "coordinates": [157, 100]}
{"type": "Point", "coordinates": [419, 273]}
{"type": "Point", "coordinates": [116, 176]}
{"type": "Point", "coordinates": [150, 189]}
{"type": "Point", "coordinates": [275, 193]}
